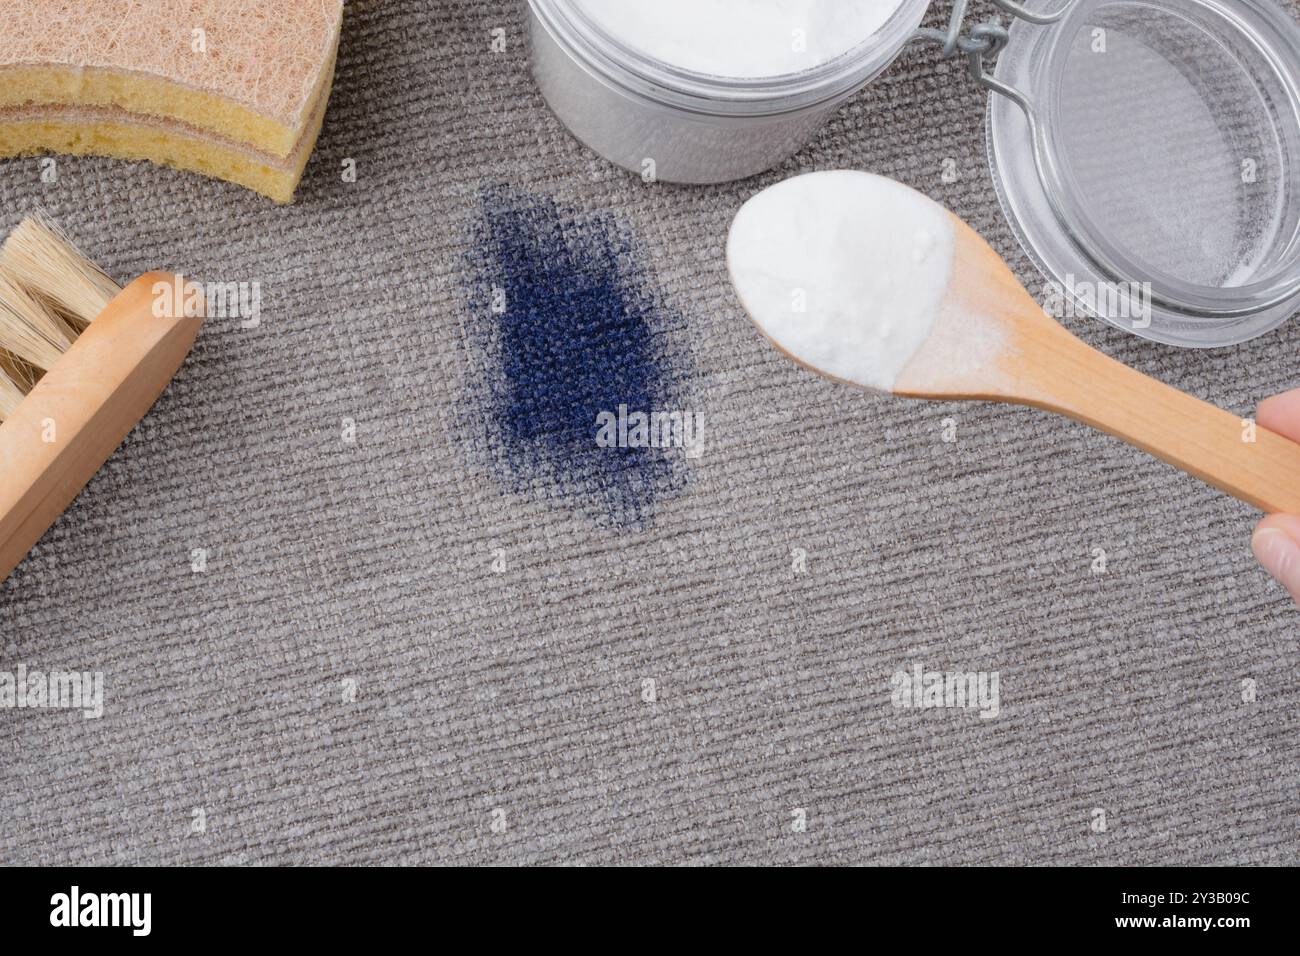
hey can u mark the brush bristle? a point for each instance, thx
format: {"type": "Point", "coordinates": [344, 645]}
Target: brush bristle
{"type": "Point", "coordinates": [28, 329]}
{"type": "Point", "coordinates": [48, 292]}
{"type": "Point", "coordinates": [40, 258]}
{"type": "Point", "coordinates": [11, 396]}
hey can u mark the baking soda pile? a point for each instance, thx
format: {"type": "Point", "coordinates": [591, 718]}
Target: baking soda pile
{"type": "Point", "coordinates": [845, 271]}
{"type": "Point", "coordinates": [741, 38]}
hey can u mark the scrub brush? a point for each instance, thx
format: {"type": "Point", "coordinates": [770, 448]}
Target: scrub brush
{"type": "Point", "coordinates": [81, 362]}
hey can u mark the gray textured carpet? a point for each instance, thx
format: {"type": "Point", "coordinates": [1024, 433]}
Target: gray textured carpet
{"type": "Point", "coordinates": [350, 682]}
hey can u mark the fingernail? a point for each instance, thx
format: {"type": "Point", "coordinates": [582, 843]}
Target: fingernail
{"type": "Point", "coordinates": [1280, 555]}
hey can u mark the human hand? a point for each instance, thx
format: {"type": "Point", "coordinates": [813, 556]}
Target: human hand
{"type": "Point", "coordinates": [1277, 539]}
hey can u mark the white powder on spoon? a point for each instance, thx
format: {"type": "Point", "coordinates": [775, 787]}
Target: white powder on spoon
{"type": "Point", "coordinates": [741, 38]}
{"type": "Point", "coordinates": [845, 271]}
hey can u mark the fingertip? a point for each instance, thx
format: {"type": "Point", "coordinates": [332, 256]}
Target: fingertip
{"type": "Point", "coordinates": [1281, 414]}
{"type": "Point", "coordinates": [1276, 544]}
{"type": "Point", "coordinates": [1287, 524]}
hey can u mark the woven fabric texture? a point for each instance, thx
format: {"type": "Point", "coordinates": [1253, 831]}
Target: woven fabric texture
{"type": "Point", "coordinates": [333, 631]}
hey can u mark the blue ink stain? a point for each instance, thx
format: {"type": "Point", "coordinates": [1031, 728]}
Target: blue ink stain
{"type": "Point", "coordinates": [566, 325]}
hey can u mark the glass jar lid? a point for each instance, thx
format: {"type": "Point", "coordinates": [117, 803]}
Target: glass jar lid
{"type": "Point", "coordinates": [1152, 170]}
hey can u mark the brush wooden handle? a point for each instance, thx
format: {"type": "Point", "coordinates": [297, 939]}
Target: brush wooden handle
{"type": "Point", "coordinates": [1074, 379]}
{"type": "Point", "coordinates": [88, 403]}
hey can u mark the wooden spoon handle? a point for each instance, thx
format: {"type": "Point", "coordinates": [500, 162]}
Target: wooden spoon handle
{"type": "Point", "coordinates": [82, 409]}
{"type": "Point", "coordinates": [1251, 463]}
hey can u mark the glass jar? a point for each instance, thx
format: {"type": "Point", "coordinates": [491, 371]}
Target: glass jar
{"type": "Point", "coordinates": [1150, 164]}
{"type": "Point", "coordinates": [676, 125]}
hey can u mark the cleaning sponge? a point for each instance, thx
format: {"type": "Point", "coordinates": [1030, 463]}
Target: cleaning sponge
{"type": "Point", "coordinates": [168, 79]}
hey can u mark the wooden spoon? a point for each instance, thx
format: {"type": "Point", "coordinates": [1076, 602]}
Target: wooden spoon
{"type": "Point", "coordinates": [991, 341]}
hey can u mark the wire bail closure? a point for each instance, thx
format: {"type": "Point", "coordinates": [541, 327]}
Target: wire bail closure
{"type": "Point", "coordinates": [982, 44]}
{"type": "Point", "coordinates": [985, 41]}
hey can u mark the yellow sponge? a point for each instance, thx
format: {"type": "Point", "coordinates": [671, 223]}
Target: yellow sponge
{"type": "Point", "coordinates": [223, 87]}
{"type": "Point", "coordinates": [107, 131]}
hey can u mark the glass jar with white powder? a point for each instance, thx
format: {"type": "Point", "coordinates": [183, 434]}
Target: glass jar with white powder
{"type": "Point", "coordinates": [704, 91]}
